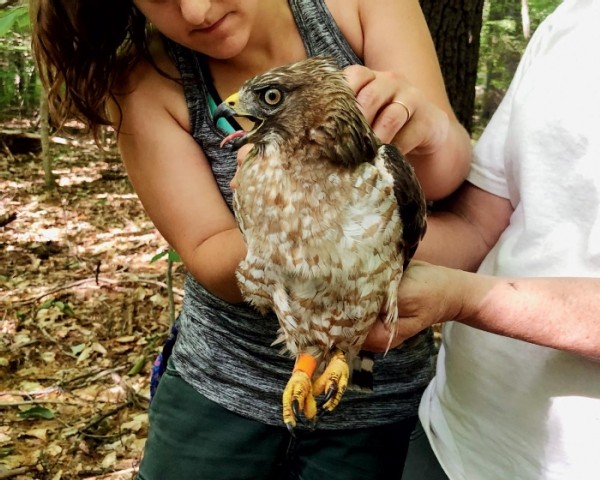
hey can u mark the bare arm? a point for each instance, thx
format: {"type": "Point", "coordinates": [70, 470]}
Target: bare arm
{"type": "Point", "coordinates": [401, 64]}
{"type": "Point", "coordinates": [561, 313]}
{"type": "Point", "coordinates": [174, 181]}
{"type": "Point", "coordinates": [536, 310]}
{"type": "Point", "coordinates": [466, 228]}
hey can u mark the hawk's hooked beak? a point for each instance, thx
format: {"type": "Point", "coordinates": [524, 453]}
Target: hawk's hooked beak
{"type": "Point", "coordinates": [227, 108]}
{"type": "Point", "coordinates": [231, 108]}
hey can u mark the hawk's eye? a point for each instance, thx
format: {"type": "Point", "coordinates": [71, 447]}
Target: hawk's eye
{"type": "Point", "coordinates": [272, 97]}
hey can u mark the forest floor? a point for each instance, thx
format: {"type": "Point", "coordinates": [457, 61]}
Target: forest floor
{"type": "Point", "coordinates": [83, 313]}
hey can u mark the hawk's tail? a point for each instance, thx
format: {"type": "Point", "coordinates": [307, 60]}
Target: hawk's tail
{"type": "Point", "coordinates": [361, 374]}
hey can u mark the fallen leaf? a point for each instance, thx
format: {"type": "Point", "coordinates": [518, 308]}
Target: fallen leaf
{"type": "Point", "coordinates": [53, 450]}
{"type": "Point", "coordinates": [109, 460]}
{"type": "Point", "coordinates": [137, 423]}
{"type": "Point", "coordinates": [48, 357]}
{"type": "Point", "coordinates": [29, 386]}
{"type": "Point", "coordinates": [21, 339]}
{"type": "Point", "coordinates": [37, 412]}
{"type": "Point", "coordinates": [97, 347]}
{"type": "Point", "coordinates": [75, 349]}
{"type": "Point", "coordinates": [126, 339]}
{"type": "Point", "coordinates": [85, 354]}
{"type": "Point", "coordinates": [41, 433]}
{"type": "Point", "coordinates": [83, 446]}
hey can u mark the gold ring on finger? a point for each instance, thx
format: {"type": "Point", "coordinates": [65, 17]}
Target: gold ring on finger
{"type": "Point", "coordinates": [403, 105]}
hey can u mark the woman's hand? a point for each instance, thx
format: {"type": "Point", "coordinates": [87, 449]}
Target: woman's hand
{"type": "Point", "coordinates": [427, 295]}
{"type": "Point", "coordinates": [398, 111]}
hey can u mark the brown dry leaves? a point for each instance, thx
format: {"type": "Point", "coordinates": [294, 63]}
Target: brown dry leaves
{"type": "Point", "coordinates": [83, 313]}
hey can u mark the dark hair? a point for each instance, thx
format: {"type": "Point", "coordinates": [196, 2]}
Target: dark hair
{"type": "Point", "coordinates": [83, 49]}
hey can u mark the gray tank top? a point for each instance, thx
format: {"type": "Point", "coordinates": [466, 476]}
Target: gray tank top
{"type": "Point", "coordinates": [223, 350]}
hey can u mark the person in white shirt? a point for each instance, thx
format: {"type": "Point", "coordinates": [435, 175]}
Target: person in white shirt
{"type": "Point", "coordinates": [517, 390]}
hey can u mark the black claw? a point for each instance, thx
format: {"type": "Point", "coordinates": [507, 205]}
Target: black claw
{"type": "Point", "coordinates": [320, 414]}
{"type": "Point", "coordinates": [302, 420]}
{"type": "Point", "coordinates": [290, 429]}
{"type": "Point", "coordinates": [296, 408]}
{"type": "Point", "coordinates": [330, 393]}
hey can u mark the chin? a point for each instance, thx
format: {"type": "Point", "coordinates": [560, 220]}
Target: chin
{"type": "Point", "coordinates": [226, 50]}
{"type": "Point", "coordinates": [219, 47]}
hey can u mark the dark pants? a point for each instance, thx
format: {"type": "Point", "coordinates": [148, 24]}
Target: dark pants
{"type": "Point", "coordinates": [421, 462]}
{"type": "Point", "coordinates": [193, 438]}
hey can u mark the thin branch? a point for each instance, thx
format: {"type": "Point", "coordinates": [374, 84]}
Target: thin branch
{"type": "Point", "coordinates": [7, 151]}
{"type": "Point", "coordinates": [15, 472]}
{"type": "Point", "coordinates": [41, 402]}
{"type": "Point", "coordinates": [83, 281]}
{"type": "Point", "coordinates": [98, 419]}
{"type": "Point", "coordinates": [33, 393]}
{"type": "Point", "coordinates": [106, 476]}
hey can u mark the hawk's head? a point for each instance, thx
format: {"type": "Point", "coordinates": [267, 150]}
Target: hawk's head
{"type": "Point", "coordinates": [310, 103]}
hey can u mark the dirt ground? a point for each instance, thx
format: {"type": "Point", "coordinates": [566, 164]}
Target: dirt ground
{"type": "Point", "coordinates": [83, 313]}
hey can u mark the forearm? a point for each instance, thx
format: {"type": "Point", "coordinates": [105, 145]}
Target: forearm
{"type": "Point", "coordinates": [213, 264]}
{"type": "Point", "coordinates": [451, 242]}
{"type": "Point", "coordinates": [562, 313]}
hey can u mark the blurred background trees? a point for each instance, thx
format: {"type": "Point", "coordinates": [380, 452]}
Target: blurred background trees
{"type": "Point", "coordinates": [506, 29]}
{"type": "Point", "coordinates": [19, 88]}
{"type": "Point", "coordinates": [479, 44]}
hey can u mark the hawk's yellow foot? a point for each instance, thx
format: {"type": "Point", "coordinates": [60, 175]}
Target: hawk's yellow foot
{"type": "Point", "coordinates": [298, 396]}
{"type": "Point", "coordinates": [333, 381]}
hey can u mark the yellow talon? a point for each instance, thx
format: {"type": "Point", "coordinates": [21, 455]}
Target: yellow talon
{"type": "Point", "coordinates": [334, 378]}
{"type": "Point", "coordinates": [299, 390]}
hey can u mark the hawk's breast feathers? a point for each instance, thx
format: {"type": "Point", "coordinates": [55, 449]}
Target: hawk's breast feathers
{"type": "Point", "coordinates": [330, 216]}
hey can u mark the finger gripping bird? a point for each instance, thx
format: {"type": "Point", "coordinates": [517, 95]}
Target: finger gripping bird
{"type": "Point", "coordinates": [330, 216]}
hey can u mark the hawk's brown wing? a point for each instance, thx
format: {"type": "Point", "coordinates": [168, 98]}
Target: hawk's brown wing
{"type": "Point", "coordinates": [411, 202]}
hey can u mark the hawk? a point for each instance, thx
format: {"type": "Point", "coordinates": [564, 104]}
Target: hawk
{"type": "Point", "coordinates": [330, 216]}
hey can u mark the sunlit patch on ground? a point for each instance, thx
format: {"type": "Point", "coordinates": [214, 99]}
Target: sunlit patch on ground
{"type": "Point", "coordinates": [83, 313]}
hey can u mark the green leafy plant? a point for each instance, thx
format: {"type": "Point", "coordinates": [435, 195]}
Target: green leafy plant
{"type": "Point", "coordinates": [37, 412]}
{"type": "Point", "coordinates": [14, 19]}
{"type": "Point", "coordinates": [172, 257]}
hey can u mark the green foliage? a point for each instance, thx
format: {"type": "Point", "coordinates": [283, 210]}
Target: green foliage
{"type": "Point", "coordinates": [37, 412]}
{"type": "Point", "coordinates": [502, 44]}
{"type": "Point", "coordinates": [63, 307]}
{"type": "Point", "coordinates": [14, 20]}
{"type": "Point", "coordinates": [19, 86]}
{"type": "Point", "coordinates": [171, 255]}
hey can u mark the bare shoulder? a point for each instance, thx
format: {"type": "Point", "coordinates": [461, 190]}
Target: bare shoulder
{"type": "Point", "coordinates": [346, 15]}
{"type": "Point", "coordinates": [146, 90]}
{"type": "Point", "coordinates": [393, 27]}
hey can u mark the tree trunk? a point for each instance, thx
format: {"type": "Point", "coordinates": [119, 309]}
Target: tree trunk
{"type": "Point", "coordinates": [45, 141]}
{"type": "Point", "coordinates": [525, 20]}
{"type": "Point", "coordinates": [455, 26]}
